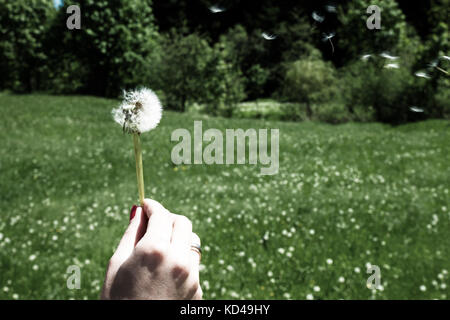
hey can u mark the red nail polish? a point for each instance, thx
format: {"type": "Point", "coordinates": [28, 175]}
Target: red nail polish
{"type": "Point", "coordinates": [133, 211]}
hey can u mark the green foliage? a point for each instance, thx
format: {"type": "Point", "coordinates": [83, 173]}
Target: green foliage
{"type": "Point", "coordinates": [116, 43]}
{"type": "Point", "coordinates": [190, 70]}
{"type": "Point", "coordinates": [310, 80]}
{"type": "Point", "coordinates": [355, 39]}
{"type": "Point", "coordinates": [385, 92]}
{"type": "Point", "coordinates": [23, 27]}
{"type": "Point", "coordinates": [443, 97]}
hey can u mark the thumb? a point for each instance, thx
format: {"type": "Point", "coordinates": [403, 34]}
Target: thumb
{"type": "Point", "coordinates": [134, 232]}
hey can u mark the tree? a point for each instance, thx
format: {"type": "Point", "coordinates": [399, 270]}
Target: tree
{"type": "Point", "coordinates": [23, 27]}
{"type": "Point", "coordinates": [116, 43]}
{"type": "Point", "coordinates": [192, 71]}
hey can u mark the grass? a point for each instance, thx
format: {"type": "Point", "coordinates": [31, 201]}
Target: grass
{"type": "Point", "coordinates": [345, 197]}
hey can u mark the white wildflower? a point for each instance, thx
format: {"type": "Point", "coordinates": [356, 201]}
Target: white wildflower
{"type": "Point", "coordinates": [309, 296]}
{"type": "Point", "coordinates": [139, 112]}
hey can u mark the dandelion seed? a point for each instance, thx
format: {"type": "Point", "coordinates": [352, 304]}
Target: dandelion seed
{"type": "Point", "coordinates": [392, 66]}
{"type": "Point", "coordinates": [388, 56]}
{"type": "Point", "coordinates": [422, 74]}
{"type": "Point", "coordinates": [330, 8]}
{"type": "Point", "coordinates": [216, 9]}
{"type": "Point", "coordinates": [366, 57]}
{"type": "Point", "coordinates": [446, 58]}
{"type": "Point", "coordinates": [268, 36]}
{"type": "Point", "coordinates": [318, 17]}
{"type": "Point", "coordinates": [328, 37]}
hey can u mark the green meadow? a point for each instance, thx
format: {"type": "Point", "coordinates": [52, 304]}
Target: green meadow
{"type": "Point", "coordinates": [346, 197]}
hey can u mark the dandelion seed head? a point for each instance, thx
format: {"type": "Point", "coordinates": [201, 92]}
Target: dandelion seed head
{"type": "Point", "coordinates": [140, 111]}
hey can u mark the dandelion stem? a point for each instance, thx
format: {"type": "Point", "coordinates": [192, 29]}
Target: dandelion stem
{"type": "Point", "coordinates": [139, 169]}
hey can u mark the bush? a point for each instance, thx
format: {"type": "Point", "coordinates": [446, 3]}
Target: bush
{"type": "Point", "coordinates": [333, 112]}
{"type": "Point", "coordinates": [294, 111]}
{"type": "Point", "coordinates": [386, 93]}
{"type": "Point", "coordinates": [310, 81]}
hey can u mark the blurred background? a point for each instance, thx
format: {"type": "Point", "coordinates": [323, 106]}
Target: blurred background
{"type": "Point", "coordinates": [364, 144]}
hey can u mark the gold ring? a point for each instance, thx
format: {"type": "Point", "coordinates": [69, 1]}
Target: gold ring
{"type": "Point", "coordinates": [196, 247]}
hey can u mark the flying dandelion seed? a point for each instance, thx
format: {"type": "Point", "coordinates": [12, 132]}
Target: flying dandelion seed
{"type": "Point", "coordinates": [446, 58]}
{"type": "Point", "coordinates": [216, 9]}
{"type": "Point", "coordinates": [365, 57]}
{"type": "Point", "coordinates": [328, 37]}
{"type": "Point", "coordinates": [318, 17]}
{"type": "Point", "coordinates": [416, 109]}
{"type": "Point", "coordinates": [422, 74]}
{"type": "Point", "coordinates": [388, 56]}
{"type": "Point", "coordinates": [392, 66]}
{"type": "Point", "coordinates": [268, 36]}
{"type": "Point", "coordinates": [330, 8]}
{"type": "Point", "coordinates": [433, 64]}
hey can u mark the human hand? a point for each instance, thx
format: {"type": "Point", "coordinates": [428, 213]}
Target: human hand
{"type": "Point", "coordinates": [154, 259]}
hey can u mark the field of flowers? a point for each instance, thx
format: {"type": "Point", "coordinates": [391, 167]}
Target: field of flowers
{"type": "Point", "coordinates": [346, 197]}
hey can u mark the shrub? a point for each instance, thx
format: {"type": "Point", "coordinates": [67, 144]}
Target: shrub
{"type": "Point", "coordinates": [333, 112]}
{"type": "Point", "coordinates": [384, 92]}
{"type": "Point", "coordinates": [310, 81]}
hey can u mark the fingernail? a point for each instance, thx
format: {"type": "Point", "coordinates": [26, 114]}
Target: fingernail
{"type": "Point", "coordinates": [133, 212]}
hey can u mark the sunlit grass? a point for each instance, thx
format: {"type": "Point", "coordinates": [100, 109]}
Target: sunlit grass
{"type": "Point", "coordinates": [346, 196]}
